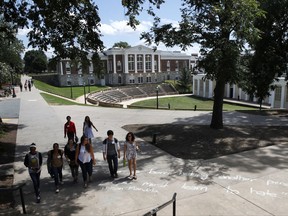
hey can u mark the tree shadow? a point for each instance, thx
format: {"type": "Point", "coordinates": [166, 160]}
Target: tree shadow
{"type": "Point", "coordinates": [207, 152]}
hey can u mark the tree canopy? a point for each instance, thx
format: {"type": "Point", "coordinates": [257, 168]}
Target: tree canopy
{"type": "Point", "coordinates": [71, 28]}
{"type": "Point", "coordinates": [121, 44]}
{"type": "Point", "coordinates": [269, 58]}
{"type": "Point", "coordinates": [10, 54]}
{"type": "Point", "coordinates": [222, 28]}
{"type": "Point", "coordinates": [35, 61]}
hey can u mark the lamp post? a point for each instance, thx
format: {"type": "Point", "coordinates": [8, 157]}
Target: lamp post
{"type": "Point", "coordinates": [157, 102]}
{"type": "Point", "coordinates": [71, 91]}
{"type": "Point", "coordinates": [84, 93]}
{"type": "Point", "coordinates": [12, 87]}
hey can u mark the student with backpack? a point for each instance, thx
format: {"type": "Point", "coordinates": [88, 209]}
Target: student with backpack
{"type": "Point", "coordinates": [33, 161]}
{"type": "Point", "coordinates": [55, 165]}
{"type": "Point", "coordinates": [70, 152]}
{"type": "Point", "coordinates": [111, 153]}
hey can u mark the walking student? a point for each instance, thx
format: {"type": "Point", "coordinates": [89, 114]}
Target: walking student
{"type": "Point", "coordinates": [70, 151]}
{"type": "Point", "coordinates": [85, 158]}
{"type": "Point", "coordinates": [33, 160]}
{"type": "Point", "coordinates": [55, 165]}
{"type": "Point", "coordinates": [70, 129]}
{"type": "Point", "coordinates": [130, 152]}
{"type": "Point", "coordinates": [111, 153]}
{"type": "Point", "coordinates": [87, 129]}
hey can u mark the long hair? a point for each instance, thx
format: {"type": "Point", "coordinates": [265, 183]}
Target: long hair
{"type": "Point", "coordinates": [87, 146]}
{"type": "Point", "coordinates": [87, 121]}
{"type": "Point", "coordinates": [132, 135]}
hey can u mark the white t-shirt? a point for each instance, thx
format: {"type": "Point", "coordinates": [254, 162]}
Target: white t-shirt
{"type": "Point", "coordinates": [84, 155]}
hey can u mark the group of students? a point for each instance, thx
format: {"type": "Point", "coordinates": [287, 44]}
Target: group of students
{"type": "Point", "coordinates": [82, 155]}
{"type": "Point", "coordinates": [28, 83]}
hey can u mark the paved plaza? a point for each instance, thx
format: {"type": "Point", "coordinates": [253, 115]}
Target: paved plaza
{"type": "Point", "coordinates": [250, 183]}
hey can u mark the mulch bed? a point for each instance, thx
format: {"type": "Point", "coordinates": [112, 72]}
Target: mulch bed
{"type": "Point", "coordinates": [202, 142]}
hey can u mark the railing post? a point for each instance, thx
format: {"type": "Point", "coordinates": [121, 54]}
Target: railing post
{"type": "Point", "coordinates": [174, 207]}
{"type": "Point", "coordinates": [22, 200]}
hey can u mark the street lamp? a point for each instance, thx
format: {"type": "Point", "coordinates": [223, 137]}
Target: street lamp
{"type": "Point", "coordinates": [84, 93]}
{"type": "Point", "coordinates": [157, 102]}
{"type": "Point", "coordinates": [89, 87]}
{"type": "Point", "coordinates": [71, 91]}
{"type": "Point", "coordinates": [12, 87]}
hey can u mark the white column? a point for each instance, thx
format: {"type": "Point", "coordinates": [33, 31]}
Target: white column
{"type": "Point", "coordinates": [227, 91]}
{"type": "Point", "coordinates": [153, 64]}
{"type": "Point", "coordinates": [144, 63]}
{"type": "Point", "coordinates": [159, 64]}
{"type": "Point", "coordinates": [114, 63]}
{"type": "Point", "coordinates": [126, 69]}
{"type": "Point", "coordinates": [282, 96]}
{"type": "Point", "coordinates": [234, 91]}
{"type": "Point", "coordinates": [211, 89]}
{"type": "Point", "coordinates": [272, 99]}
{"type": "Point", "coordinates": [61, 67]}
{"type": "Point", "coordinates": [204, 89]}
{"type": "Point", "coordinates": [240, 94]}
{"type": "Point", "coordinates": [198, 87]}
{"type": "Point", "coordinates": [135, 63]}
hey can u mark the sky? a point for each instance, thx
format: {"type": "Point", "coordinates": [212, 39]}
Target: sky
{"type": "Point", "coordinates": [114, 24]}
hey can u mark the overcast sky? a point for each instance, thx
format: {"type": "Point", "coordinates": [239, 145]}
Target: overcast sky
{"type": "Point", "coordinates": [114, 24]}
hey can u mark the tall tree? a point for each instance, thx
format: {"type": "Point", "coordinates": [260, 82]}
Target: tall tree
{"type": "Point", "coordinates": [71, 28]}
{"type": "Point", "coordinates": [121, 44]}
{"type": "Point", "coordinates": [221, 27]}
{"type": "Point", "coordinates": [35, 61]}
{"type": "Point", "coordinates": [270, 53]}
{"type": "Point", "coordinates": [10, 54]}
{"type": "Point", "coordinates": [98, 68]}
{"type": "Point", "coordinates": [185, 79]}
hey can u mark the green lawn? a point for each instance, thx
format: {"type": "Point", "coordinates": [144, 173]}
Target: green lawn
{"type": "Point", "coordinates": [54, 100]}
{"type": "Point", "coordinates": [77, 91]}
{"type": "Point", "coordinates": [187, 102]}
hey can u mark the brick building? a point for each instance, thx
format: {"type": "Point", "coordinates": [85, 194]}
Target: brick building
{"type": "Point", "coordinates": [135, 65]}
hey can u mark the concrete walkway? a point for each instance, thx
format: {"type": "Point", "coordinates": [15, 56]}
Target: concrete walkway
{"type": "Point", "coordinates": [251, 183]}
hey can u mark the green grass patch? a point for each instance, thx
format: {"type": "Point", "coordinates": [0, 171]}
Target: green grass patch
{"type": "Point", "coordinates": [188, 102]}
{"type": "Point", "coordinates": [53, 100]}
{"type": "Point", "coordinates": [77, 91]}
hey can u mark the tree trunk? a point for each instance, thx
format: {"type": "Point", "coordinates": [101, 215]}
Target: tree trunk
{"type": "Point", "coordinates": [217, 115]}
{"type": "Point", "coordinates": [260, 102]}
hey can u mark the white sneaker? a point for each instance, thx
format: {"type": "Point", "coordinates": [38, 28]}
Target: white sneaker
{"type": "Point", "coordinates": [57, 190]}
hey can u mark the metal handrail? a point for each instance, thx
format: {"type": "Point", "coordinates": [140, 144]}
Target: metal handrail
{"type": "Point", "coordinates": [154, 211]}
{"type": "Point", "coordinates": [14, 188]}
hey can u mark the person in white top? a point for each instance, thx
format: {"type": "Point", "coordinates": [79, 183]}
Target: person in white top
{"type": "Point", "coordinates": [88, 128]}
{"type": "Point", "coordinates": [84, 156]}
{"type": "Point", "coordinates": [130, 152]}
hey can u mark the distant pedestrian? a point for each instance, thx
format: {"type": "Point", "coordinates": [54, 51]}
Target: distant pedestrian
{"type": "Point", "coordinates": [33, 160]}
{"type": "Point", "coordinates": [29, 85]}
{"type": "Point", "coordinates": [85, 158]}
{"type": "Point", "coordinates": [88, 129]}
{"type": "Point", "coordinates": [70, 152]}
{"type": "Point", "coordinates": [21, 86]}
{"type": "Point", "coordinates": [130, 153]}
{"type": "Point", "coordinates": [32, 82]}
{"type": "Point", "coordinates": [25, 85]}
{"type": "Point", "coordinates": [70, 129]}
{"type": "Point", "coordinates": [55, 165]}
{"type": "Point", "coordinates": [111, 153]}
